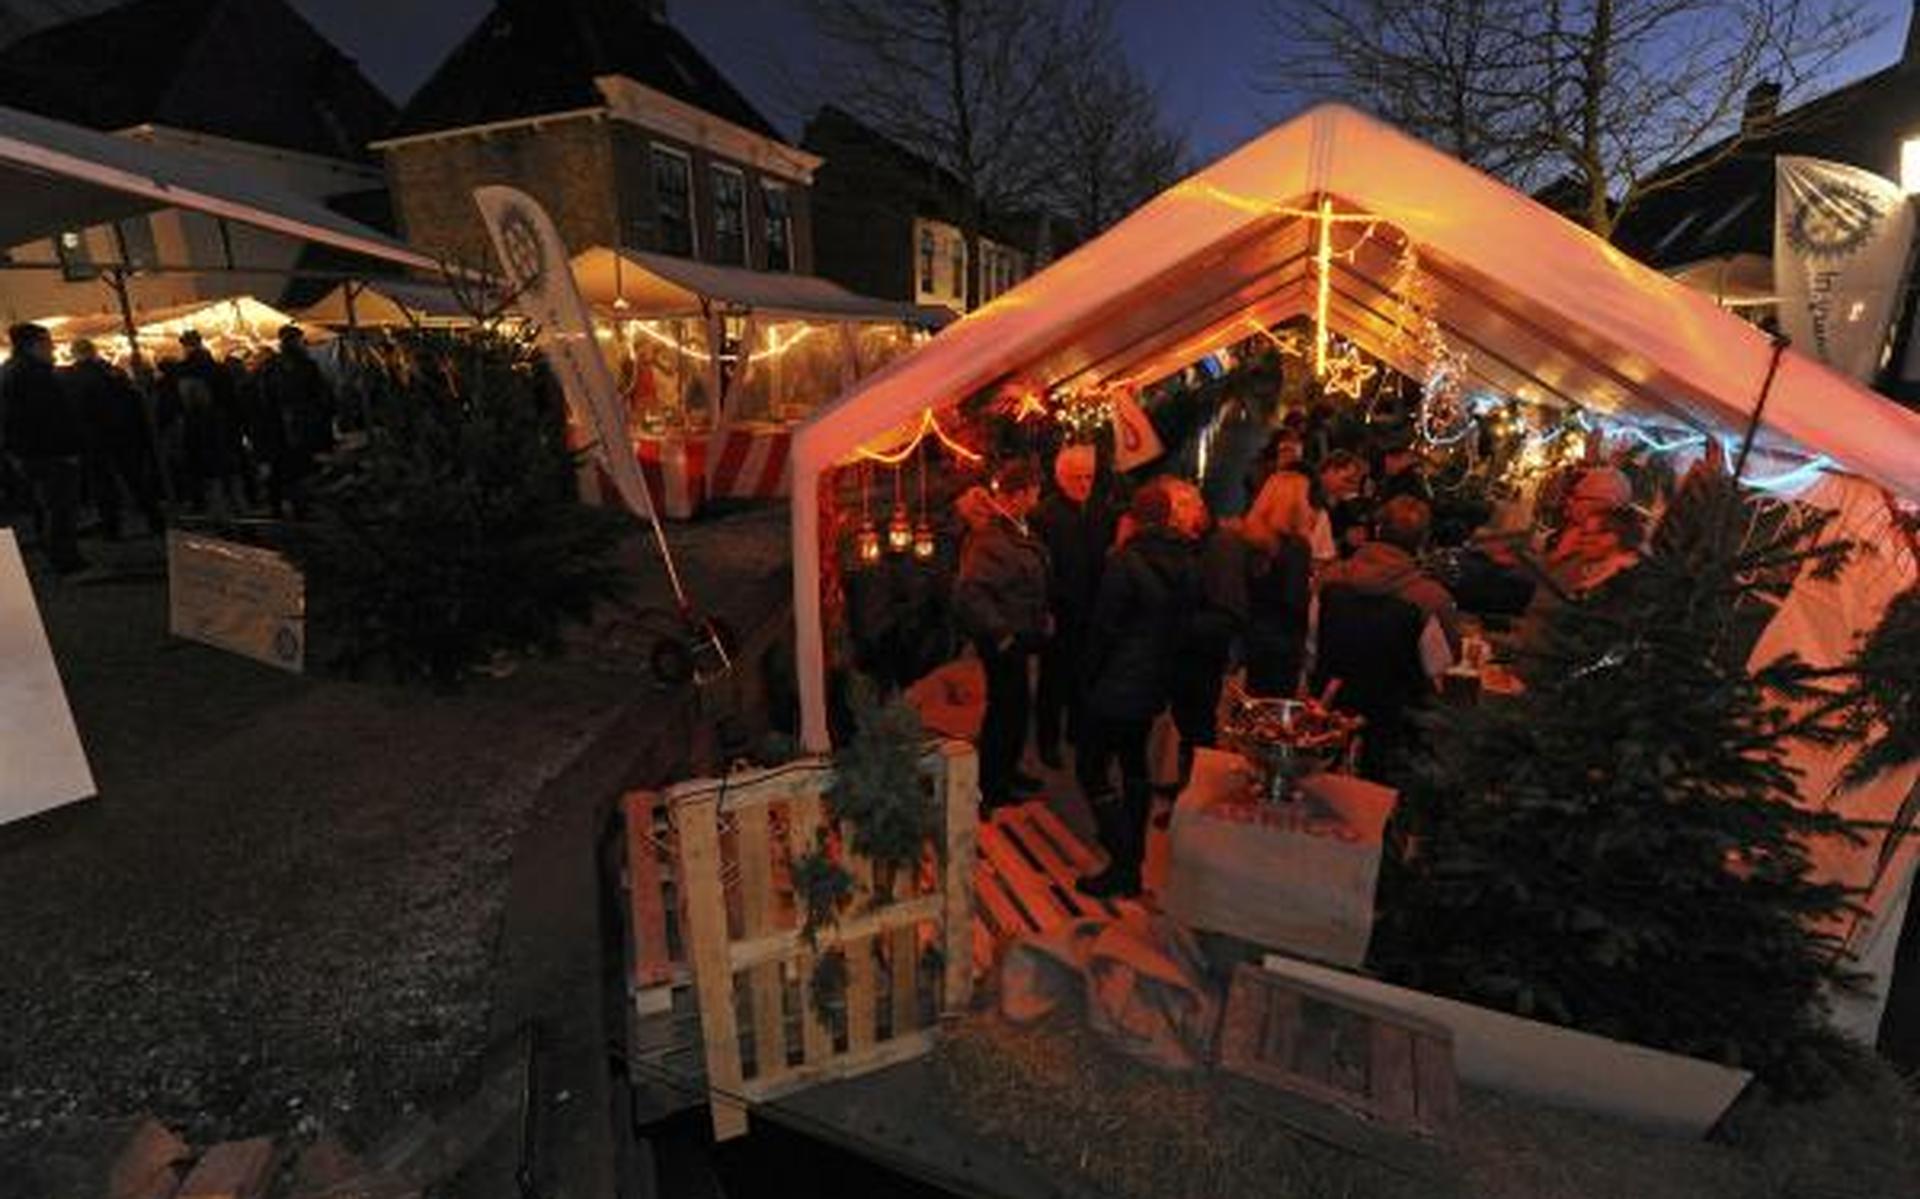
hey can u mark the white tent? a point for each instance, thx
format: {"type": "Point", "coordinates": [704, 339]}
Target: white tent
{"type": "Point", "coordinates": [389, 304]}
{"type": "Point", "coordinates": [57, 176]}
{"type": "Point", "coordinates": [1546, 311]}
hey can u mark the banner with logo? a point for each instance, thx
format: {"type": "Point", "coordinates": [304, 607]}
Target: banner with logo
{"type": "Point", "coordinates": [1841, 237]}
{"type": "Point", "coordinates": [536, 265]}
{"type": "Point", "coordinates": [1134, 439]}
{"type": "Point", "coordinates": [240, 598]}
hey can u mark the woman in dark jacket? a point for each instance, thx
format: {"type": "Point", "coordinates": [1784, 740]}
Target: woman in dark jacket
{"type": "Point", "coordinates": [1279, 576]}
{"type": "Point", "coordinates": [1000, 601]}
{"type": "Point", "coordinates": [1146, 592]}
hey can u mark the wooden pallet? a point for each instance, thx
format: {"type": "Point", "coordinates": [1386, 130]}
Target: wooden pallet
{"type": "Point", "coordinates": [1023, 880]}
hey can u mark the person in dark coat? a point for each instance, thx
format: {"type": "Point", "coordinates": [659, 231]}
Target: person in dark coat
{"type": "Point", "coordinates": [44, 433]}
{"type": "Point", "coordinates": [1000, 601]}
{"type": "Point", "coordinates": [1387, 631]}
{"type": "Point", "coordinates": [1279, 585]}
{"type": "Point", "coordinates": [205, 393]}
{"type": "Point", "coordinates": [299, 404]}
{"type": "Point", "coordinates": [119, 447]}
{"type": "Point", "coordinates": [1077, 529]}
{"type": "Point", "coordinates": [1137, 634]}
{"type": "Point", "coordinates": [1216, 620]}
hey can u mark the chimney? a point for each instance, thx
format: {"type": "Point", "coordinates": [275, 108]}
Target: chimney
{"type": "Point", "coordinates": [1763, 104]}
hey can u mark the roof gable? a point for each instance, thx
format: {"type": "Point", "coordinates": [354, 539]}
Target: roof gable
{"type": "Point", "coordinates": [193, 58]}
{"type": "Point", "coordinates": [528, 58]}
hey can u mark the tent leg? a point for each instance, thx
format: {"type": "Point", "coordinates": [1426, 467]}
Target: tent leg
{"type": "Point", "coordinates": [809, 640]}
{"type": "Point", "coordinates": [142, 379]}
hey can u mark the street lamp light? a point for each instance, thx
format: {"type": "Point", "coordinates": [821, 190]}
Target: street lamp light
{"type": "Point", "coordinates": [1910, 166]}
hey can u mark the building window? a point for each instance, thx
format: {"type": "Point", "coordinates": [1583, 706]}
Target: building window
{"type": "Point", "coordinates": [927, 285]}
{"type": "Point", "coordinates": [135, 239]}
{"type": "Point", "coordinates": [960, 268]}
{"type": "Point", "coordinates": [673, 200]}
{"type": "Point", "coordinates": [729, 216]}
{"type": "Point", "coordinates": [779, 223]}
{"type": "Point", "coordinates": [76, 261]}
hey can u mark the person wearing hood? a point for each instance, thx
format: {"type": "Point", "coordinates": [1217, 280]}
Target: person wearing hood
{"type": "Point", "coordinates": [1386, 631]}
{"type": "Point", "coordinates": [1135, 639]}
{"type": "Point", "coordinates": [1000, 601]}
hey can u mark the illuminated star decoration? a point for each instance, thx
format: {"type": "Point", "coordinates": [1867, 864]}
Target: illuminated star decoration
{"type": "Point", "coordinates": [1028, 406]}
{"type": "Point", "coordinates": [1347, 374]}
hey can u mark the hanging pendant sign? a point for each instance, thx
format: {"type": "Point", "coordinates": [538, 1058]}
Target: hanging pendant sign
{"type": "Point", "coordinates": [1134, 440]}
{"type": "Point", "coordinates": [1841, 237]}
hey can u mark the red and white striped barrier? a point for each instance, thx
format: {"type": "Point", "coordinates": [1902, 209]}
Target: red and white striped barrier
{"type": "Point", "coordinates": [754, 463]}
{"type": "Point", "coordinates": [675, 467]}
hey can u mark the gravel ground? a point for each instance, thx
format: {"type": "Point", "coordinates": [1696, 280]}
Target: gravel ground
{"type": "Point", "coordinates": [280, 910]}
{"type": "Point", "coordinates": [1122, 1130]}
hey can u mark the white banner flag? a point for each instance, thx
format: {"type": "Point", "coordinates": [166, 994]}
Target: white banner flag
{"type": "Point", "coordinates": [1134, 440]}
{"type": "Point", "coordinates": [536, 265]}
{"type": "Point", "coordinates": [1840, 242]}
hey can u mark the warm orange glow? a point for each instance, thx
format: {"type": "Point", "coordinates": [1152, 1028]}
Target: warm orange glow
{"type": "Point", "coordinates": [1348, 374]}
{"type": "Point", "coordinates": [928, 425]}
{"type": "Point", "coordinates": [1323, 293]}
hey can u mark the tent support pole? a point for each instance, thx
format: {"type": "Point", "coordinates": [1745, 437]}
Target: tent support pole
{"type": "Point", "coordinates": [1780, 342]}
{"type": "Point", "coordinates": [142, 378]}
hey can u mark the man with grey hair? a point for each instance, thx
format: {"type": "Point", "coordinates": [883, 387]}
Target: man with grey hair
{"type": "Point", "coordinates": [1077, 529]}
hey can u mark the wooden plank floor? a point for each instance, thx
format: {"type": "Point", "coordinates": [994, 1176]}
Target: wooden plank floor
{"type": "Point", "coordinates": [1023, 886]}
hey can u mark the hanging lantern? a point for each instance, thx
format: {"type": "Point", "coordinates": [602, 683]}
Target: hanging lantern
{"type": "Point", "coordinates": [866, 544]}
{"type": "Point", "coordinates": [900, 531]}
{"type": "Point", "coordinates": [923, 542]}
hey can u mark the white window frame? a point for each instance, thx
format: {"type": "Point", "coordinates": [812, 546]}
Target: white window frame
{"type": "Point", "coordinates": [693, 195]}
{"type": "Point", "coordinates": [714, 171]}
{"type": "Point", "coordinates": [770, 187]}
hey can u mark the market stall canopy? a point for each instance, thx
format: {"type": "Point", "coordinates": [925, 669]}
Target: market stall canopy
{"type": "Point", "coordinates": [55, 176]}
{"type": "Point", "coordinates": [1546, 311]}
{"type": "Point", "coordinates": [390, 303]}
{"type": "Point", "coordinates": [1733, 280]}
{"type": "Point", "coordinates": [242, 316]}
{"type": "Point", "coordinates": [643, 285]}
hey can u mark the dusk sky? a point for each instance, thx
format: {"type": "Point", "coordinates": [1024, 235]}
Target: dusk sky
{"type": "Point", "coordinates": [1202, 63]}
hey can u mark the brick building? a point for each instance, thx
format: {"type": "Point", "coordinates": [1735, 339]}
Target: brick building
{"type": "Point", "coordinates": [887, 222]}
{"type": "Point", "coordinates": [617, 124]}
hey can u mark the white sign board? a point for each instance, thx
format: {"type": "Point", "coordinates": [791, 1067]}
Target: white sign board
{"type": "Point", "coordinates": [42, 764]}
{"type": "Point", "coordinates": [237, 597]}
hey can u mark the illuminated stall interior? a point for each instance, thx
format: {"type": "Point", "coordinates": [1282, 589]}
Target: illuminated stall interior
{"type": "Point", "coordinates": [696, 347]}
{"type": "Point", "coordinates": [1371, 249]}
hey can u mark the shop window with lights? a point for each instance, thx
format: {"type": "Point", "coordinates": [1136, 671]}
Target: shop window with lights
{"type": "Point", "coordinates": [777, 208]}
{"type": "Point", "coordinates": [673, 201]}
{"type": "Point", "coordinates": [76, 260]}
{"type": "Point", "coordinates": [135, 240]}
{"type": "Point", "coordinates": [729, 216]}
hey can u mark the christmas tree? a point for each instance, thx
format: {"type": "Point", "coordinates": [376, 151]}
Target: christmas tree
{"type": "Point", "coordinates": [1620, 850]}
{"type": "Point", "coordinates": [455, 531]}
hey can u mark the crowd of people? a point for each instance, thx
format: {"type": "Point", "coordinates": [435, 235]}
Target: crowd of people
{"type": "Point", "coordinates": [1321, 588]}
{"type": "Point", "coordinates": [238, 436]}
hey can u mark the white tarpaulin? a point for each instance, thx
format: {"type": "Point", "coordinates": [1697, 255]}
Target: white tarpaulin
{"type": "Point", "coordinates": [42, 764]}
{"type": "Point", "coordinates": [1841, 237]}
{"type": "Point", "coordinates": [1544, 310]}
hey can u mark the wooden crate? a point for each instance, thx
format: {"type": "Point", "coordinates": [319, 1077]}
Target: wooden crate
{"type": "Point", "coordinates": [656, 925]}
{"type": "Point", "coordinates": [1371, 1061]}
{"type": "Point", "coordinates": [1024, 879]}
{"type": "Point", "coordinates": [908, 957]}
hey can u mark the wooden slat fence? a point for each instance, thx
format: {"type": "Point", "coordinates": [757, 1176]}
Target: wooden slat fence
{"type": "Point", "coordinates": [908, 955]}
